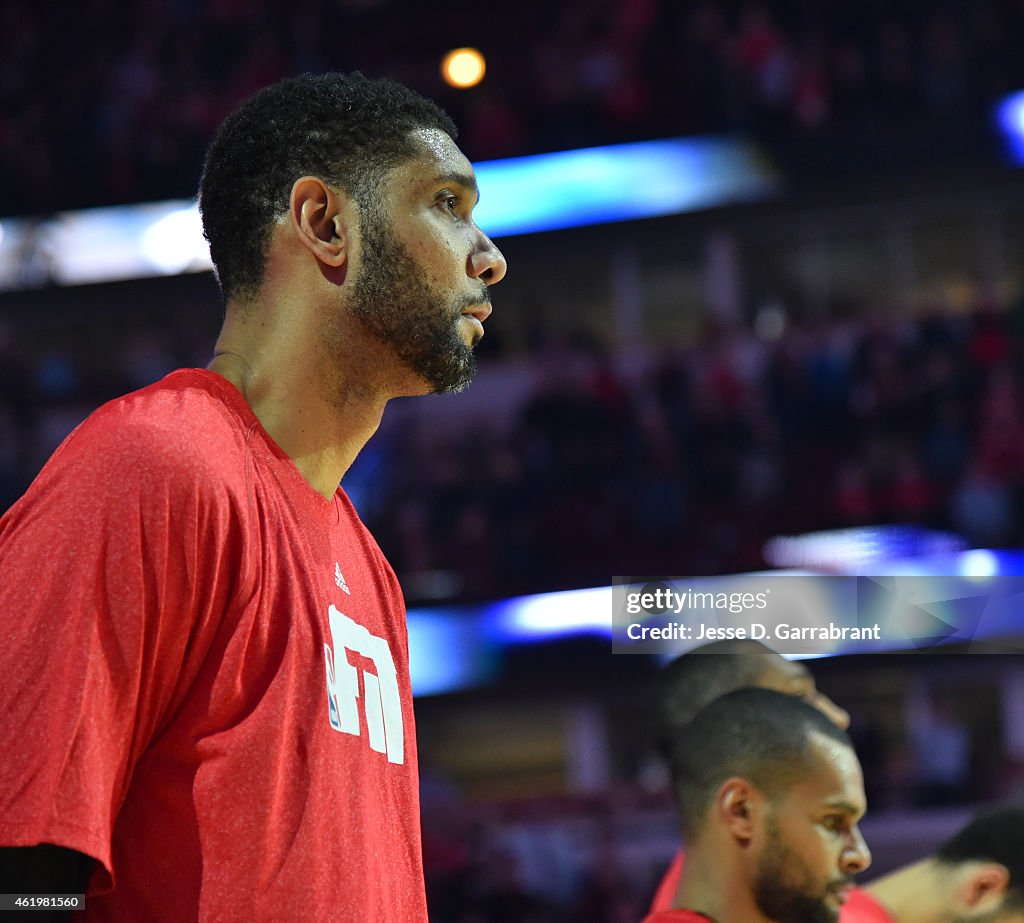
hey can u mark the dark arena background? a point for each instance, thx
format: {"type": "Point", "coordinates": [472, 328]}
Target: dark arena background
{"type": "Point", "coordinates": [790, 336]}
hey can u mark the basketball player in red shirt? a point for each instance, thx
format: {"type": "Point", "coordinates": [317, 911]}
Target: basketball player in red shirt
{"type": "Point", "coordinates": [977, 875]}
{"type": "Point", "coordinates": [206, 712]}
{"type": "Point", "coordinates": [770, 795]}
{"type": "Point", "coordinates": [700, 676]}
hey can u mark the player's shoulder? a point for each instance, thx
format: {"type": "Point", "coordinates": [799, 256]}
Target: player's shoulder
{"type": "Point", "coordinates": [192, 422]}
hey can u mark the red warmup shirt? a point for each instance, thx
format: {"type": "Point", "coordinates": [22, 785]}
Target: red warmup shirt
{"type": "Point", "coordinates": [863, 908]}
{"type": "Point", "coordinates": [661, 907]}
{"type": "Point", "coordinates": [205, 675]}
{"type": "Point", "coordinates": [666, 892]}
{"type": "Point", "coordinates": [677, 916]}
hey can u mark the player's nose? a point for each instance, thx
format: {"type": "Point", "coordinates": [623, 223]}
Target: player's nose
{"type": "Point", "coordinates": [856, 857]}
{"type": "Point", "coordinates": [487, 262]}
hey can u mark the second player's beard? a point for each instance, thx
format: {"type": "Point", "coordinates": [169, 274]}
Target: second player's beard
{"type": "Point", "coordinates": [392, 301]}
{"type": "Point", "coordinates": [781, 889]}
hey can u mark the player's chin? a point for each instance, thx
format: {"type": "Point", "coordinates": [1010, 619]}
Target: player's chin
{"type": "Point", "coordinates": [832, 904]}
{"type": "Point", "coordinates": [840, 893]}
{"type": "Point", "coordinates": [454, 374]}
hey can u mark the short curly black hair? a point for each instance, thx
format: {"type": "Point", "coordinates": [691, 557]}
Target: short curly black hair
{"type": "Point", "coordinates": [348, 129]}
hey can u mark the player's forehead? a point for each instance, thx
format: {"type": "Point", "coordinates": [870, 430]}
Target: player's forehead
{"type": "Point", "coordinates": [834, 781]}
{"type": "Point", "coordinates": [437, 158]}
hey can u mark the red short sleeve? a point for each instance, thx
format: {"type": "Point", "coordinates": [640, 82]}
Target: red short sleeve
{"type": "Point", "coordinates": [113, 568]}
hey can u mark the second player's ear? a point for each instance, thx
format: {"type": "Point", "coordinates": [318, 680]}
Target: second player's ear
{"type": "Point", "coordinates": [319, 217]}
{"type": "Point", "coordinates": [737, 807]}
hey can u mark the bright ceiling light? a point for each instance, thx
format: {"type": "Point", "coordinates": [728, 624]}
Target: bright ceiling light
{"type": "Point", "coordinates": [463, 68]}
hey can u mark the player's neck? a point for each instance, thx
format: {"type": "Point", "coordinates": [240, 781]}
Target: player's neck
{"type": "Point", "coordinates": [709, 886]}
{"type": "Point", "coordinates": [320, 437]}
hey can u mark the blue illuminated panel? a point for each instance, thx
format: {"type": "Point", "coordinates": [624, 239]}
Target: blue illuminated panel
{"type": "Point", "coordinates": [618, 183]}
{"type": "Point", "coordinates": [1010, 119]}
{"type": "Point", "coordinates": [973, 595]}
{"type": "Point", "coordinates": [519, 196]}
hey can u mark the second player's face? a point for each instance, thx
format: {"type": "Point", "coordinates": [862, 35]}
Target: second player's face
{"type": "Point", "coordinates": [425, 267]}
{"type": "Point", "coordinates": [812, 846]}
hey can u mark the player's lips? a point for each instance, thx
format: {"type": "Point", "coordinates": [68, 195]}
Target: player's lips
{"type": "Point", "coordinates": [476, 314]}
{"type": "Point", "coordinates": [480, 311]}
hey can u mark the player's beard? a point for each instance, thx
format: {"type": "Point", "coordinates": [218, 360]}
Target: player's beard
{"type": "Point", "coordinates": [394, 302]}
{"type": "Point", "coordinates": [783, 887]}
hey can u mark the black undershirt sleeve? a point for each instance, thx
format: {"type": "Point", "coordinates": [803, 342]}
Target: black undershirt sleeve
{"type": "Point", "coordinates": [42, 869]}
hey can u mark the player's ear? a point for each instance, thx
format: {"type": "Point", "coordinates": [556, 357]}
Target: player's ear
{"type": "Point", "coordinates": [320, 218]}
{"type": "Point", "coordinates": [738, 808]}
{"type": "Point", "coordinates": [983, 887]}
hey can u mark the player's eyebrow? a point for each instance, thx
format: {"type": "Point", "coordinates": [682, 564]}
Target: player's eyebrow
{"type": "Point", "coordinates": [465, 180]}
{"type": "Point", "coordinates": [846, 807]}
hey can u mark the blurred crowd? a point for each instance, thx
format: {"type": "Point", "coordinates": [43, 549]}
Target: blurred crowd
{"type": "Point", "coordinates": [104, 102]}
{"type": "Point", "coordinates": [481, 861]}
{"type": "Point", "coordinates": [690, 466]}
{"type": "Point", "coordinates": [687, 461]}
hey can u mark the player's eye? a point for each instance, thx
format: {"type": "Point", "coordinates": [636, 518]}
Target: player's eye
{"type": "Point", "coordinates": [449, 202]}
{"type": "Point", "coordinates": [835, 823]}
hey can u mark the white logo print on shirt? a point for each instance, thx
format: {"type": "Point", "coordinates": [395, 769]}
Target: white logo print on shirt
{"type": "Point", "coordinates": [382, 703]}
{"type": "Point", "coordinates": [340, 580]}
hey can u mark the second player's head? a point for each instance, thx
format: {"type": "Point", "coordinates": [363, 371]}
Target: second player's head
{"type": "Point", "coordinates": [773, 790]}
{"type": "Point", "coordinates": [698, 677]}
